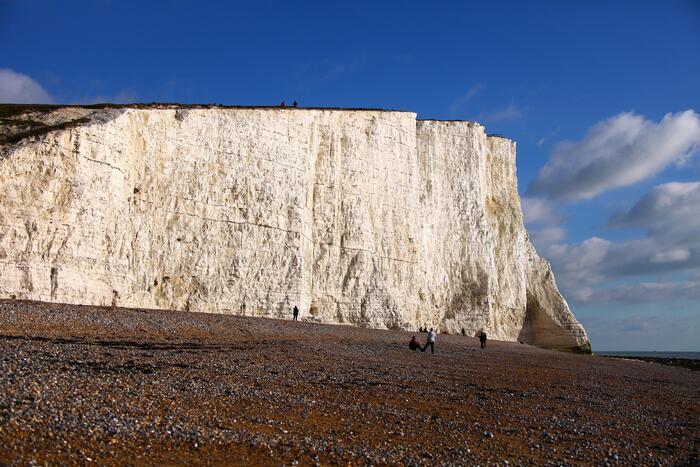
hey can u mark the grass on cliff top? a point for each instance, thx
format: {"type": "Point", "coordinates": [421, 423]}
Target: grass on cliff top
{"type": "Point", "coordinates": [15, 128]}
{"type": "Point", "coordinates": [22, 128]}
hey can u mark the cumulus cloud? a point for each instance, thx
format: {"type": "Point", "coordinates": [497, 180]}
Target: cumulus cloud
{"type": "Point", "coordinates": [543, 221]}
{"type": "Point", "coordinates": [579, 266]}
{"type": "Point", "coordinates": [18, 88]}
{"type": "Point", "coordinates": [670, 212]}
{"type": "Point", "coordinates": [540, 211]}
{"type": "Point", "coordinates": [546, 238]}
{"type": "Point", "coordinates": [671, 256]}
{"type": "Point", "coordinates": [669, 215]}
{"type": "Point", "coordinates": [650, 291]}
{"type": "Point", "coordinates": [617, 152]}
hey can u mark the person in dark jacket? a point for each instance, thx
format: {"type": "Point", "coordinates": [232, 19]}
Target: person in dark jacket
{"type": "Point", "coordinates": [296, 313]}
{"type": "Point", "coordinates": [482, 339]}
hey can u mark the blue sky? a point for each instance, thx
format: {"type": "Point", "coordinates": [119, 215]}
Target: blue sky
{"type": "Point", "coordinates": [601, 97]}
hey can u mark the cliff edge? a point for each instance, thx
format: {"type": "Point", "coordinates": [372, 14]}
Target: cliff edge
{"type": "Point", "coordinates": [360, 216]}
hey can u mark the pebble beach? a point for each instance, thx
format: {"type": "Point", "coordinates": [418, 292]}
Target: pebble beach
{"type": "Point", "coordinates": [83, 384]}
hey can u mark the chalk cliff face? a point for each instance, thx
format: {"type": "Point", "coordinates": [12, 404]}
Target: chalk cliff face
{"type": "Point", "coordinates": [362, 217]}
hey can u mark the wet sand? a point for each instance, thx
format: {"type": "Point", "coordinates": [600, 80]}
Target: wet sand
{"type": "Point", "coordinates": [112, 386]}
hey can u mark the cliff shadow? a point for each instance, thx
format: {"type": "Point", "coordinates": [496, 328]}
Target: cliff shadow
{"type": "Point", "coordinates": [540, 329]}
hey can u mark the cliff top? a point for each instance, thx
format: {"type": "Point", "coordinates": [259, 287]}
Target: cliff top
{"type": "Point", "coordinates": [10, 110]}
{"type": "Point", "coordinates": [20, 121]}
{"type": "Point", "coordinates": [16, 109]}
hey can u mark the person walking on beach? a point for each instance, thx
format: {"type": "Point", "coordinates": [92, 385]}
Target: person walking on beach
{"type": "Point", "coordinates": [414, 344]}
{"type": "Point", "coordinates": [430, 341]}
{"type": "Point", "coordinates": [482, 339]}
{"type": "Point", "coordinates": [464, 333]}
{"type": "Point", "coordinates": [296, 313]}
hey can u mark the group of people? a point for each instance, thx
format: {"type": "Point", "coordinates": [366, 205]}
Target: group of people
{"type": "Point", "coordinates": [414, 344]}
{"type": "Point", "coordinates": [429, 341]}
{"type": "Point", "coordinates": [284, 104]}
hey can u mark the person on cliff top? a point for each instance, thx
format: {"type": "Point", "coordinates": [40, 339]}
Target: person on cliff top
{"type": "Point", "coordinates": [296, 313]}
{"type": "Point", "coordinates": [430, 341]}
{"type": "Point", "coordinates": [295, 104]}
{"type": "Point", "coordinates": [482, 339]}
{"type": "Point", "coordinates": [414, 344]}
{"type": "Point", "coordinates": [283, 104]}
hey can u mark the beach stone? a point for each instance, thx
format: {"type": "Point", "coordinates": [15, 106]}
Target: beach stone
{"type": "Point", "coordinates": [361, 217]}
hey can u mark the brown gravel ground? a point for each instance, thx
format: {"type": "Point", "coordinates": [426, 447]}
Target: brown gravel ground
{"type": "Point", "coordinates": [121, 386]}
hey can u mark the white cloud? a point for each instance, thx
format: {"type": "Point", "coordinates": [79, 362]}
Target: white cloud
{"type": "Point", "coordinates": [671, 256]}
{"type": "Point", "coordinates": [543, 223]}
{"type": "Point", "coordinates": [462, 101]}
{"type": "Point", "coordinates": [546, 237]}
{"type": "Point", "coordinates": [540, 211]}
{"type": "Point", "coordinates": [670, 212]}
{"type": "Point", "coordinates": [18, 88]}
{"type": "Point", "coordinates": [650, 292]}
{"type": "Point", "coordinates": [617, 152]}
{"type": "Point", "coordinates": [670, 216]}
{"type": "Point", "coordinates": [579, 264]}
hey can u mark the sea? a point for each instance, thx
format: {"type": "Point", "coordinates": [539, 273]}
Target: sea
{"type": "Point", "coordinates": [688, 355]}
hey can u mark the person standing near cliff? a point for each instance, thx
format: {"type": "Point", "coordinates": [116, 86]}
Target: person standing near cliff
{"type": "Point", "coordinates": [296, 313]}
{"type": "Point", "coordinates": [430, 341]}
{"type": "Point", "coordinates": [482, 339]}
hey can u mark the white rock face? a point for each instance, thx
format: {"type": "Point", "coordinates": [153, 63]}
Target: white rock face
{"type": "Point", "coordinates": [368, 218]}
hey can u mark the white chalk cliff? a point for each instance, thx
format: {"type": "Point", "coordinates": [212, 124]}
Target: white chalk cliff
{"type": "Point", "coordinates": [363, 217]}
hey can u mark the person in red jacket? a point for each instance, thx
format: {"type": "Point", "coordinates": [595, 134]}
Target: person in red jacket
{"type": "Point", "coordinates": [414, 344]}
